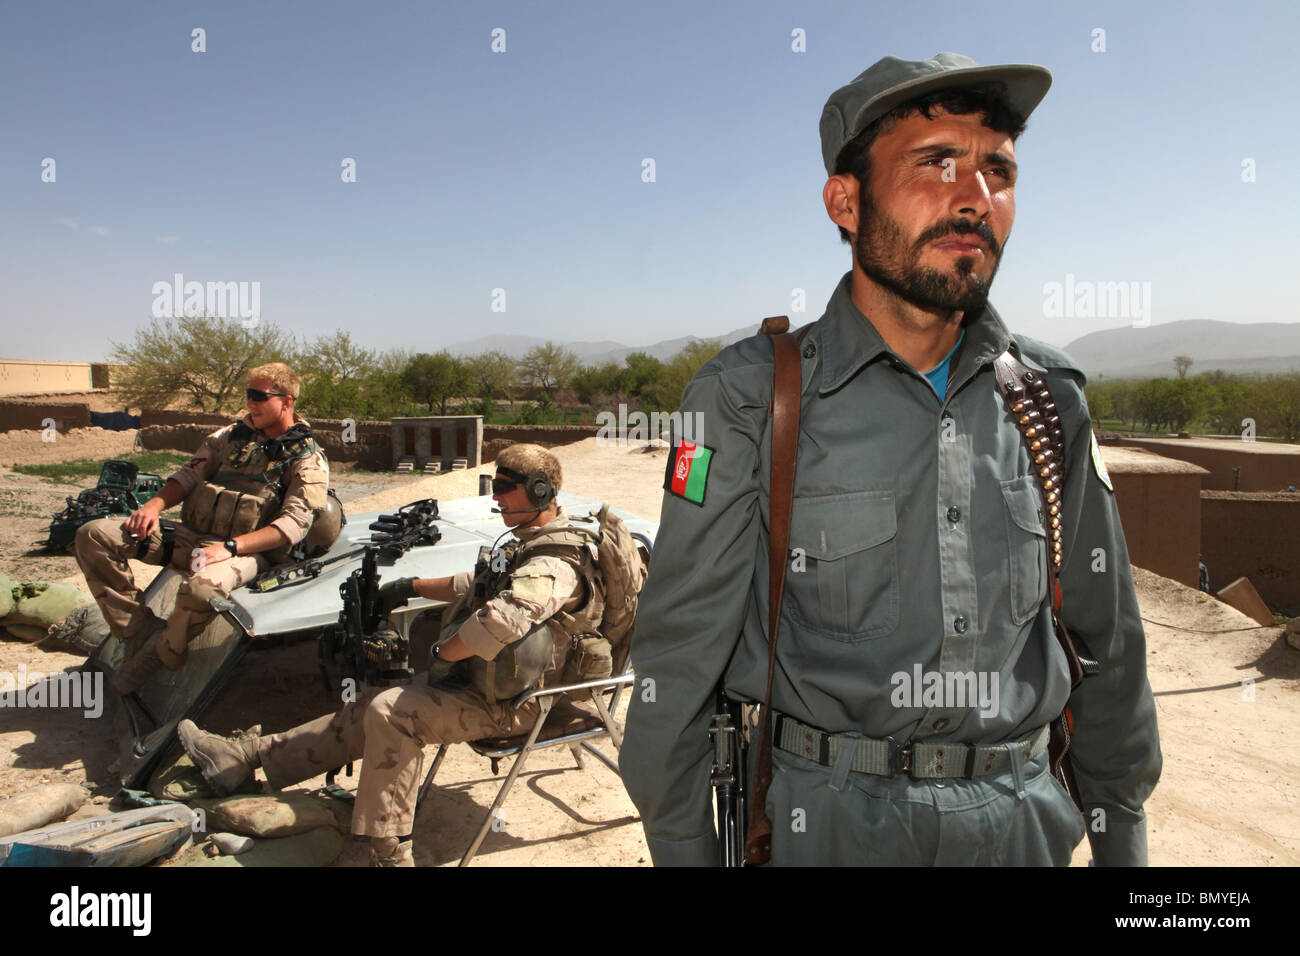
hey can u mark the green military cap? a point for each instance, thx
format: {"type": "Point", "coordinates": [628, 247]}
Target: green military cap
{"type": "Point", "coordinates": [891, 82]}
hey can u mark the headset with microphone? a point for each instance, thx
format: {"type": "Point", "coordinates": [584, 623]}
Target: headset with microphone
{"type": "Point", "coordinates": [536, 486]}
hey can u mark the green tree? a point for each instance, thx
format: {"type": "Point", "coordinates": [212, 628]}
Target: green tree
{"type": "Point", "coordinates": [1185, 402]}
{"type": "Point", "coordinates": [1100, 406]}
{"type": "Point", "coordinates": [202, 361]}
{"type": "Point", "coordinates": [643, 372]}
{"type": "Point", "coordinates": [493, 374]}
{"type": "Point", "coordinates": [432, 379]}
{"type": "Point", "coordinates": [337, 357]}
{"type": "Point", "coordinates": [393, 360]}
{"type": "Point", "coordinates": [683, 366]}
{"type": "Point", "coordinates": [1280, 405]}
{"type": "Point", "coordinates": [548, 366]}
{"type": "Point", "coordinates": [1150, 401]}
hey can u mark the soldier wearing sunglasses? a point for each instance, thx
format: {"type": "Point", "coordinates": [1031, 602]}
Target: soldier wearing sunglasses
{"type": "Point", "coordinates": [250, 493]}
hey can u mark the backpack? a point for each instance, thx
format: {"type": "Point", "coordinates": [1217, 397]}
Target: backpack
{"type": "Point", "coordinates": [613, 572]}
{"type": "Point", "coordinates": [614, 581]}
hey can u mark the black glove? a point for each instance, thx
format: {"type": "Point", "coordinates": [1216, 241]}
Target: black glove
{"type": "Point", "coordinates": [395, 594]}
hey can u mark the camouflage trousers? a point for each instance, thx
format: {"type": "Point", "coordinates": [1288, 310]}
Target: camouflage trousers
{"type": "Point", "coordinates": [103, 549]}
{"type": "Point", "coordinates": [388, 730]}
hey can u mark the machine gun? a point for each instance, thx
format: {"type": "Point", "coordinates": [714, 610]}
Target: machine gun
{"type": "Point", "coordinates": [728, 780]}
{"type": "Point", "coordinates": [372, 653]}
{"type": "Point", "coordinates": [392, 535]}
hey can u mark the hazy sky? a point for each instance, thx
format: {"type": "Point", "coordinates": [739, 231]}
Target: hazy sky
{"type": "Point", "coordinates": [522, 170]}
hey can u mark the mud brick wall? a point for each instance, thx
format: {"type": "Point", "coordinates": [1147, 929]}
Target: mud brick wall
{"type": "Point", "coordinates": [66, 415]}
{"type": "Point", "coordinates": [373, 447]}
{"type": "Point", "coordinates": [1261, 469]}
{"type": "Point", "coordinates": [1254, 535]}
{"type": "Point", "coordinates": [1160, 514]}
{"type": "Point", "coordinates": [164, 416]}
{"type": "Point", "coordinates": [544, 435]}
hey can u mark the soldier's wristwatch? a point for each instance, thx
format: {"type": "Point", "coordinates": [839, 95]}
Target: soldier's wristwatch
{"type": "Point", "coordinates": [232, 547]}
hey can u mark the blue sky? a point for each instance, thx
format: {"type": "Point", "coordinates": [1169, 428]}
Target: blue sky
{"type": "Point", "coordinates": [522, 170]}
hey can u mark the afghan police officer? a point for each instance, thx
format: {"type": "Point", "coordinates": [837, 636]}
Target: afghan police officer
{"type": "Point", "coordinates": [542, 594]}
{"type": "Point", "coordinates": [917, 669]}
{"type": "Point", "coordinates": [252, 491]}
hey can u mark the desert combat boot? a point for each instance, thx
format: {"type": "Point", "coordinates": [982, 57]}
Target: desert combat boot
{"type": "Point", "coordinates": [225, 762]}
{"type": "Point", "coordinates": [391, 851]}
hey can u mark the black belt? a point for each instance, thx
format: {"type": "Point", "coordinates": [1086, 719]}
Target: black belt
{"type": "Point", "coordinates": [888, 757]}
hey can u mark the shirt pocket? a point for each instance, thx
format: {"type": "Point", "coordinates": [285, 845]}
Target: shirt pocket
{"type": "Point", "coordinates": [842, 582]}
{"type": "Point", "coordinates": [1026, 542]}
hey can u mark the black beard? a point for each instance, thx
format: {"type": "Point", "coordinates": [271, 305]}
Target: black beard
{"type": "Point", "coordinates": [921, 285]}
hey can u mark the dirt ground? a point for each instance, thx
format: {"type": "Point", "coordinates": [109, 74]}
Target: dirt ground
{"type": "Point", "coordinates": [1227, 702]}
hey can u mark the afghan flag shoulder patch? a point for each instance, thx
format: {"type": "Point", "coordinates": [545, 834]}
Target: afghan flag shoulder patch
{"type": "Point", "coordinates": [687, 475]}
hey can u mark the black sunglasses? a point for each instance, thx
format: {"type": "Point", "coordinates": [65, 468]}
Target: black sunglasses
{"type": "Point", "coordinates": [503, 486]}
{"type": "Point", "coordinates": [257, 395]}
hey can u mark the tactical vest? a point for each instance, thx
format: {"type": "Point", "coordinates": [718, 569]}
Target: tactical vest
{"type": "Point", "coordinates": [567, 647]}
{"type": "Point", "coordinates": [248, 487]}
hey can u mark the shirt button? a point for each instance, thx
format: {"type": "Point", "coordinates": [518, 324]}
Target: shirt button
{"type": "Point", "coordinates": [960, 625]}
{"type": "Point", "coordinates": [954, 514]}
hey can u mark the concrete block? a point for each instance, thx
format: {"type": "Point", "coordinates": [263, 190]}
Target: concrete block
{"type": "Point", "coordinates": [1242, 595]}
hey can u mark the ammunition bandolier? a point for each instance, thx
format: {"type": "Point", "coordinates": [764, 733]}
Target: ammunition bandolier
{"type": "Point", "coordinates": [248, 487]}
{"type": "Point", "coordinates": [567, 647]}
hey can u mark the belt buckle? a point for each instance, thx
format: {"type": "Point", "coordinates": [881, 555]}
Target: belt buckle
{"type": "Point", "coordinates": [900, 757]}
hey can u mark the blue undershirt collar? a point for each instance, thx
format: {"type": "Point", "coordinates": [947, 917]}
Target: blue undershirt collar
{"type": "Point", "coordinates": [938, 375]}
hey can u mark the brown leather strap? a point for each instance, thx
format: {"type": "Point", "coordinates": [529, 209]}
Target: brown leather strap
{"type": "Point", "coordinates": [787, 391]}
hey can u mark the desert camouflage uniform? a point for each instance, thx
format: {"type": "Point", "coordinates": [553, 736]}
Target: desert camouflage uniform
{"type": "Point", "coordinates": [103, 548]}
{"type": "Point", "coordinates": [389, 729]}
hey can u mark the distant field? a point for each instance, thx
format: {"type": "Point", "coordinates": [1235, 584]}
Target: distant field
{"type": "Point", "coordinates": [156, 462]}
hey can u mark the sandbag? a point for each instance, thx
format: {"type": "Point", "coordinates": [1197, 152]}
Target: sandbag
{"type": "Point", "coordinates": [319, 847]}
{"type": "Point", "coordinates": [34, 808]}
{"type": "Point", "coordinates": [7, 585]}
{"type": "Point", "coordinates": [179, 780]}
{"type": "Point", "coordinates": [84, 629]}
{"type": "Point", "coordinates": [44, 605]}
{"type": "Point", "coordinates": [26, 632]}
{"type": "Point", "coordinates": [232, 844]}
{"type": "Point", "coordinates": [268, 815]}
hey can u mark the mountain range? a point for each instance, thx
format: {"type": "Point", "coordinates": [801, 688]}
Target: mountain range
{"type": "Point", "coordinates": [1239, 348]}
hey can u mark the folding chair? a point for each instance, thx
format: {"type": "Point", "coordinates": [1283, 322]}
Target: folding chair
{"type": "Point", "coordinates": [560, 722]}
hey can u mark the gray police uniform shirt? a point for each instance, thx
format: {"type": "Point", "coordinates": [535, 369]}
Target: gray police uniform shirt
{"type": "Point", "coordinates": [915, 521]}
